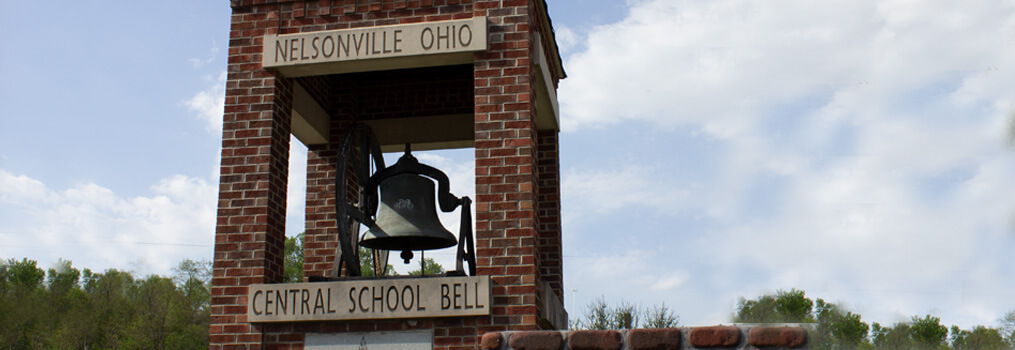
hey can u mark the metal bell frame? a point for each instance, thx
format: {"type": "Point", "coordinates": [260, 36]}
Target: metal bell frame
{"type": "Point", "coordinates": [365, 210]}
{"type": "Point", "coordinates": [359, 152]}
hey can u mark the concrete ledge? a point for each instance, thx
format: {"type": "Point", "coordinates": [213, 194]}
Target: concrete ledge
{"type": "Point", "coordinates": [745, 337]}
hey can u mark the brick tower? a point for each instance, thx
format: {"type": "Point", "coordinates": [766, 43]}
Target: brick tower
{"type": "Point", "coordinates": [434, 73]}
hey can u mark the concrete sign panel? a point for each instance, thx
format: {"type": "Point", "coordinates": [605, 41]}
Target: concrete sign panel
{"type": "Point", "coordinates": [428, 38]}
{"type": "Point", "coordinates": [405, 340]}
{"type": "Point", "coordinates": [369, 299]}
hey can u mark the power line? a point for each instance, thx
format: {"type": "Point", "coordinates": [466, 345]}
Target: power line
{"type": "Point", "coordinates": [118, 242]}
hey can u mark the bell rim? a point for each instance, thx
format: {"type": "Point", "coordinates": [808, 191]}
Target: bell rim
{"type": "Point", "coordinates": [415, 243]}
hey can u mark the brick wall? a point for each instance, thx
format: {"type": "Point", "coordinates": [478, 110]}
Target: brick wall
{"type": "Point", "coordinates": [551, 254]}
{"type": "Point", "coordinates": [517, 178]}
{"type": "Point", "coordinates": [250, 229]}
{"type": "Point", "coordinates": [746, 337]}
{"type": "Point", "coordinates": [413, 92]}
{"type": "Point", "coordinates": [505, 172]}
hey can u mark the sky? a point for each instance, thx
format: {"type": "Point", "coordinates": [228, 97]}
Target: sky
{"type": "Point", "coordinates": [861, 151]}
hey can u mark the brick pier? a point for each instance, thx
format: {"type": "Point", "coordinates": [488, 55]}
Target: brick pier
{"type": "Point", "coordinates": [500, 101]}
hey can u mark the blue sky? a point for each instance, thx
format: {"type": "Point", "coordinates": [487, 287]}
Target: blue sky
{"type": "Point", "coordinates": [861, 151]}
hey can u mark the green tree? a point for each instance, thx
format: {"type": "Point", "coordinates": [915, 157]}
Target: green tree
{"type": "Point", "coordinates": [6, 307]}
{"type": "Point", "coordinates": [783, 307]}
{"type": "Point", "coordinates": [63, 278]}
{"type": "Point", "coordinates": [896, 337]}
{"type": "Point", "coordinates": [293, 259]}
{"type": "Point", "coordinates": [661, 317]}
{"type": "Point", "coordinates": [919, 333]}
{"type": "Point", "coordinates": [835, 328]}
{"type": "Point", "coordinates": [1008, 325]}
{"type": "Point", "coordinates": [108, 292]}
{"type": "Point", "coordinates": [838, 328]}
{"type": "Point", "coordinates": [69, 306]}
{"type": "Point", "coordinates": [429, 268]}
{"type": "Point", "coordinates": [366, 263]}
{"type": "Point", "coordinates": [65, 308]}
{"type": "Point", "coordinates": [928, 332]}
{"type": "Point", "coordinates": [26, 312]}
{"type": "Point", "coordinates": [77, 327]}
{"type": "Point", "coordinates": [980, 338]}
{"type": "Point", "coordinates": [193, 278]}
{"type": "Point", "coordinates": [24, 275]}
{"type": "Point", "coordinates": [625, 316]}
{"type": "Point", "coordinates": [151, 301]}
{"type": "Point", "coordinates": [189, 320]}
{"type": "Point", "coordinates": [599, 315]}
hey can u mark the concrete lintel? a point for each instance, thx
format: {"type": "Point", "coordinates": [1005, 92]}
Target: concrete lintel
{"type": "Point", "coordinates": [547, 110]}
{"type": "Point", "coordinates": [376, 64]}
{"type": "Point", "coordinates": [310, 120]}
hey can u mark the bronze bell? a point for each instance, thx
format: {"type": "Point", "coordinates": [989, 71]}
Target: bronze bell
{"type": "Point", "coordinates": [407, 217]}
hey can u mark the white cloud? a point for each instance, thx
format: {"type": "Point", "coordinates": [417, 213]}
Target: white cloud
{"type": "Point", "coordinates": [567, 39]}
{"type": "Point", "coordinates": [95, 228]}
{"type": "Point", "coordinates": [210, 103]}
{"type": "Point", "coordinates": [19, 187]}
{"type": "Point", "coordinates": [721, 64]}
{"type": "Point", "coordinates": [212, 53]}
{"type": "Point", "coordinates": [864, 146]}
{"type": "Point", "coordinates": [670, 281]}
{"type": "Point", "coordinates": [297, 190]}
{"type": "Point", "coordinates": [601, 191]}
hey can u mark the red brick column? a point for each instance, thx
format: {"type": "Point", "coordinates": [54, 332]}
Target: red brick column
{"type": "Point", "coordinates": [320, 242]}
{"type": "Point", "coordinates": [506, 182]}
{"type": "Point", "coordinates": [321, 237]}
{"type": "Point", "coordinates": [551, 261]}
{"type": "Point", "coordinates": [250, 231]}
